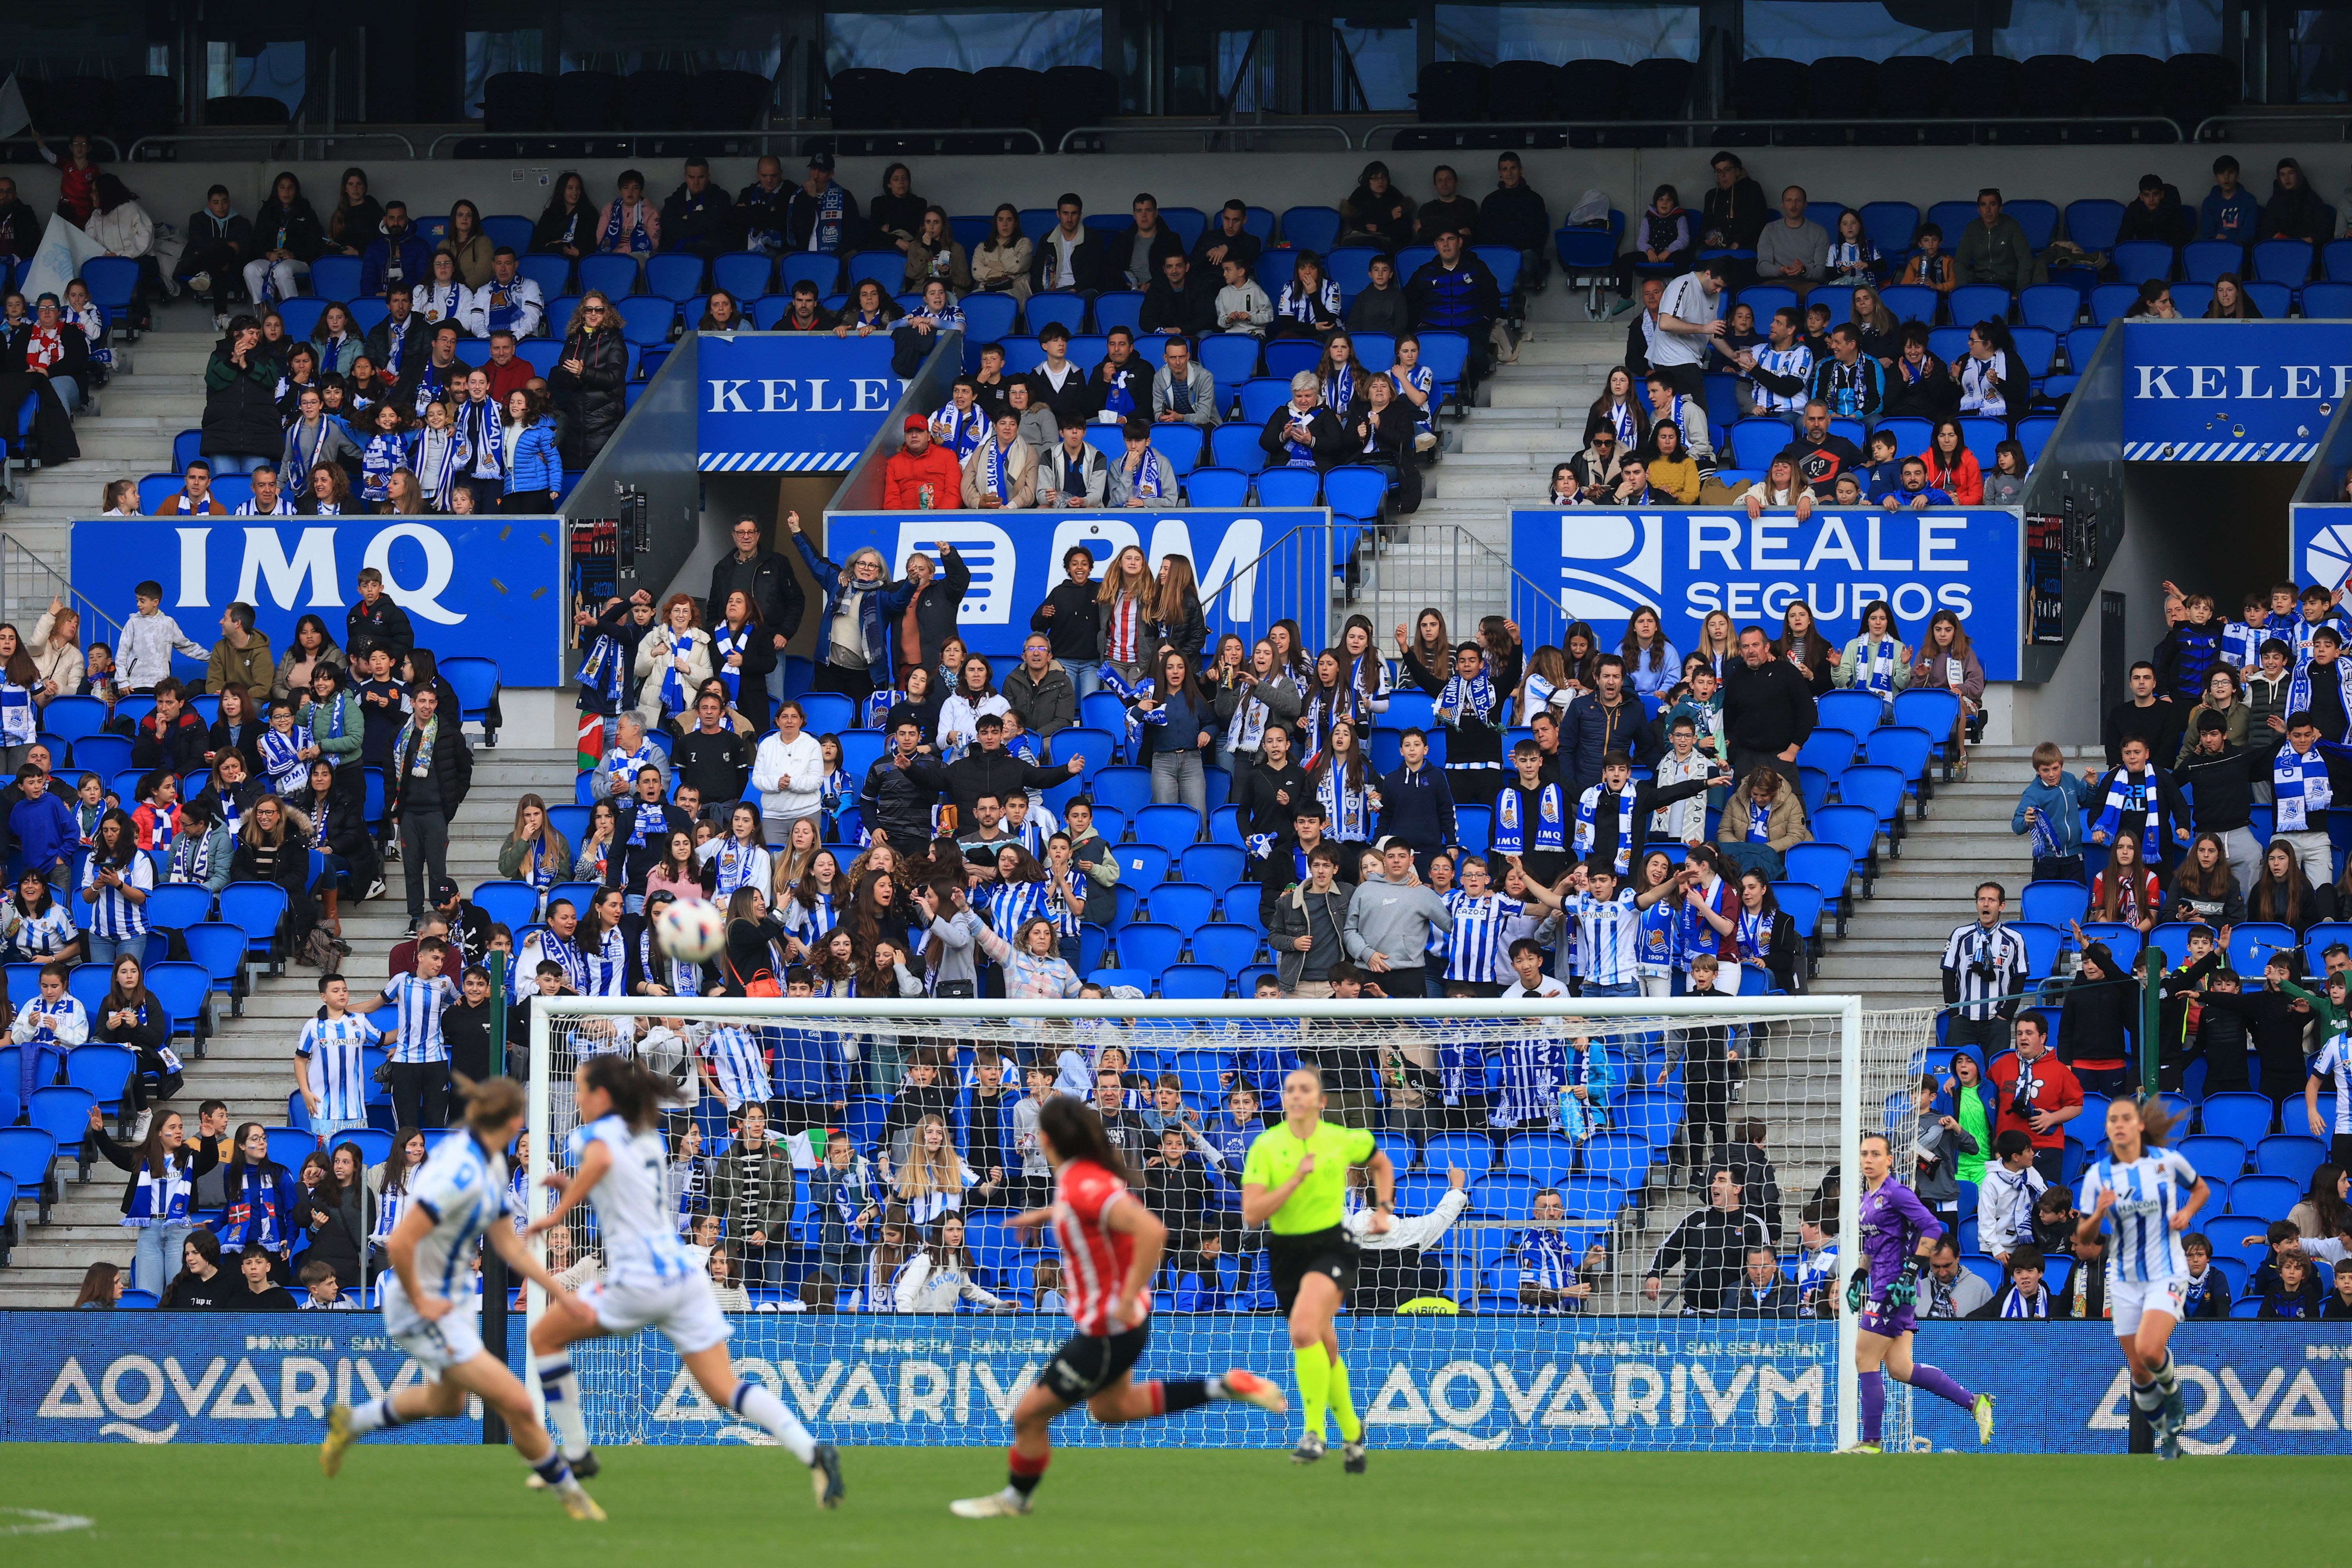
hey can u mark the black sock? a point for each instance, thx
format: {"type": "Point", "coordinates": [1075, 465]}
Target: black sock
{"type": "Point", "coordinates": [552, 1469]}
{"type": "Point", "coordinates": [1188, 1393]}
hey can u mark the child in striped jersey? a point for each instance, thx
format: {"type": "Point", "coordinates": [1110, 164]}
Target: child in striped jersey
{"type": "Point", "coordinates": [332, 1047]}
{"type": "Point", "coordinates": [1478, 940]}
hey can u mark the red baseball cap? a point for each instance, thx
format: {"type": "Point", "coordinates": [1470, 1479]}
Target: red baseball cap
{"type": "Point", "coordinates": [917, 422]}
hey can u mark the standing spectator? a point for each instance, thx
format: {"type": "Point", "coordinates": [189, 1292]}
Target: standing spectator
{"type": "Point", "coordinates": [1391, 922]}
{"type": "Point", "coordinates": [1711, 1245]}
{"type": "Point", "coordinates": [752, 1192]}
{"type": "Point", "coordinates": [2050, 812]}
{"type": "Point", "coordinates": [433, 768]}
{"type": "Point", "coordinates": [588, 379]}
{"type": "Point", "coordinates": [1176, 720]}
{"type": "Point", "coordinates": [1514, 213]}
{"type": "Point", "coordinates": [1071, 618]}
{"type": "Point", "coordinates": [288, 235]}
{"type": "Point", "coordinates": [1687, 319]}
{"type": "Point", "coordinates": [1985, 966]}
{"type": "Point", "coordinates": [1041, 688]}
{"type": "Point", "coordinates": [2035, 1093]}
{"type": "Point", "coordinates": [163, 1168]}
{"type": "Point", "coordinates": [242, 429]}
{"type": "Point", "coordinates": [20, 225]}
{"type": "Point", "coordinates": [1768, 705]}
{"type": "Point", "coordinates": [1994, 249]}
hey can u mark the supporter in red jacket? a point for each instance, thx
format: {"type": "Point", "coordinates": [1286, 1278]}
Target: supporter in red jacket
{"type": "Point", "coordinates": [920, 463]}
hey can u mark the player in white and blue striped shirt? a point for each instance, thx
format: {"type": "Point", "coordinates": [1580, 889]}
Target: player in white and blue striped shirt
{"type": "Point", "coordinates": [330, 1062]}
{"type": "Point", "coordinates": [2136, 1190]}
{"type": "Point", "coordinates": [420, 1057]}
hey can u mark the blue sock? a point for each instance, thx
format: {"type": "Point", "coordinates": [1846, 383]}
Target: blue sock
{"type": "Point", "coordinates": [552, 1469]}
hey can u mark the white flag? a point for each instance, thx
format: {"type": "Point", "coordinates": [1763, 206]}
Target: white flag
{"type": "Point", "coordinates": [59, 260]}
{"type": "Point", "coordinates": [14, 117]}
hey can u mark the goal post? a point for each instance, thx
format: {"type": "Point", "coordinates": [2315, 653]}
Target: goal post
{"type": "Point", "coordinates": [1472, 1360]}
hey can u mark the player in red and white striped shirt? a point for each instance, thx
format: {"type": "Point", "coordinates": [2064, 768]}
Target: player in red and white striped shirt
{"type": "Point", "coordinates": [1111, 1247]}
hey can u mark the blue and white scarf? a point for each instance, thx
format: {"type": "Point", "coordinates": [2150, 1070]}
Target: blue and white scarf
{"type": "Point", "coordinates": [485, 434]}
{"type": "Point", "coordinates": [603, 673]}
{"type": "Point", "coordinates": [738, 866]}
{"type": "Point", "coordinates": [431, 382]}
{"type": "Point", "coordinates": [728, 640]}
{"type": "Point", "coordinates": [673, 687]}
{"type": "Point", "coordinates": [1619, 416]}
{"type": "Point", "coordinates": [2140, 798]}
{"type": "Point", "coordinates": [1796, 361]}
{"type": "Point", "coordinates": [683, 979]}
{"type": "Point", "coordinates": [1510, 836]}
{"type": "Point", "coordinates": [2298, 786]}
{"type": "Point", "coordinates": [161, 1200]}
{"type": "Point", "coordinates": [959, 430]}
{"type": "Point", "coordinates": [1247, 731]}
{"type": "Point", "coordinates": [18, 724]}
{"type": "Point", "coordinates": [1118, 386]}
{"type": "Point", "coordinates": [832, 211]}
{"type": "Point", "coordinates": [2240, 644]}
{"type": "Point", "coordinates": [2299, 690]}
{"type": "Point", "coordinates": [537, 871]}
{"type": "Point", "coordinates": [553, 949]}
{"type": "Point", "coordinates": [439, 305]}
{"type": "Point", "coordinates": [1150, 476]}
{"type": "Point", "coordinates": [1587, 805]}
{"type": "Point", "coordinates": [623, 765]}
{"type": "Point", "coordinates": [1302, 453]}
{"type": "Point", "coordinates": [629, 220]}
{"type": "Point", "coordinates": [251, 507]}
{"type": "Point", "coordinates": [1760, 822]}
{"type": "Point", "coordinates": [1423, 380]}
{"type": "Point", "coordinates": [1464, 699]}
{"type": "Point", "coordinates": [1299, 304]}
{"type": "Point", "coordinates": [1348, 807]}
{"type": "Point", "coordinates": [281, 761]}
{"type": "Point", "coordinates": [1878, 675]}
{"type": "Point", "coordinates": [385, 451]}
{"type": "Point", "coordinates": [998, 471]}
{"type": "Point", "coordinates": [1340, 387]}
{"type": "Point", "coordinates": [438, 456]}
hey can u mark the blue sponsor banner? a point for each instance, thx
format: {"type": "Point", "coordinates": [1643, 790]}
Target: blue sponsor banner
{"type": "Point", "coordinates": [2319, 544]}
{"type": "Point", "coordinates": [1590, 565]}
{"type": "Point", "coordinates": [790, 402]}
{"type": "Point", "coordinates": [203, 1377]}
{"type": "Point", "coordinates": [2231, 391]}
{"type": "Point", "coordinates": [493, 585]}
{"type": "Point", "coordinates": [1243, 561]}
{"type": "Point", "coordinates": [1475, 1382]}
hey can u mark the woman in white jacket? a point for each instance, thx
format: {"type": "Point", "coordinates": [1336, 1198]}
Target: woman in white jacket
{"type": "Point", "coordinates": [939, 1274]}
{"type": "Point", "coordinates": [975, 694]}
{"type": "Point", "coordinates": [673, 661]}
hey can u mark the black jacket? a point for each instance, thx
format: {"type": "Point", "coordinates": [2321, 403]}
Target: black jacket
{"type": "Point", "coordinates": [241, 407]}
{"type": "Point", "coordinates": [1711, 1245]}
{"type": "Point", "coordinates": [1100, 380]}
{"type": "Point", "coordinates": [2158, 725]}
{"type": "Point", "coordinates": [556, 228]}
{"type": "Point", "coordinates": [1075, 628]}
{"type": "Point", "coordinates": [2166, 224]}
{"type": "Point", "coordinates": [1328, 438]}
{"type": "Point", "coordinates": [182, 750]}
{"type": "Point", "coordinates": [382, 623]}
{"type": "Point", "coordinates": [935, 609]}
{"type": "Point", "coordinates": [1516, 218]}
{"type": "Point", "coordinates": [1087, 264]}
{"type": "Point", "coordinates": [1192, 309]}
{"type": "Point", "coordinates": [1737, 214]}
{"type": "Point", "coordinates": [982, 772]}
{"type": "Point", "coordinates": [1933, 396]}
{"type": "Point", "coordinates": [777, 596]}
{"type": "Point", "coordinates": [701, 224]}
{"type": "Point", "coordinates": [21, 229]}
{"type": "Point", "coordinates": [2223, 787]}
{"type": "Point", "coordinates": [1186, 631]}
{"type": "Point", "coordinates": [803, 210]}
{"type": "Point", "coordinates": [1648, 797]}
{"type": "Point", "coordinates": [591, 399]}
{"type": "Point", "coordinates": [898, 800]}
{"type": "Point", "coordinates": [718, 765]}
{"type": "Point", "coordinates": [415, 348]}
{"type": "Point", "coordinates": [1121, 250]}
{"type": "Point", "coordinates": [293, 228]}
{"type": "Point", "coordinates": [453, 766]}
{"type": "Point", "coordinates": [2097, 1020]}
{"type": "Point", "coordinates": [626, 868]}
{"type": "Point", "coordinates": [1254, 801]}
{"type": "Point", "coordinates": [1767, 709]}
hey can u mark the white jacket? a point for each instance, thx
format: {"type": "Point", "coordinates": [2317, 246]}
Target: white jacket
{"type": "Point", "coordinates": [958, 724]}
{"type": "Point", "coordinates": [1250, 300]}
{"type": "Point", "coordinates": [523, 294]}
{"type": "Point", "coordinates": [144, 654]}
{"type": "Point", "coordinates": [654, 653]}
{"type": "Point", "coordinates": [2005, 1200]}
{"type": "Point", "coordinates": [1409, 1230]}
{"type": "Point", "coordinates": [125, 231]}
{"type": "Point", "coordinates": [923, 1287]}
{"type": "Point", "coordinates": [789, 779]}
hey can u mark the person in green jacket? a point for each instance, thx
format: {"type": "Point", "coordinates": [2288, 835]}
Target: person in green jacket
{"type": "Point", "coordinates": [1994, 249]}
{"type": "Point", "coordinates": [334, 727]}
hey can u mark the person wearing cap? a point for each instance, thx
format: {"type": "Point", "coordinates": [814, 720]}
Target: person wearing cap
{"type": "Point", "coordinates": [922, 475]}
{"type": "Point", "coordinates": [822, 216]}
{"type": "Point", "coordinates": [469, 923]}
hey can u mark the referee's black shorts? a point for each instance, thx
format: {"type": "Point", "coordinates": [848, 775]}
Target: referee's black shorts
{"type": "Point", "coordinates": [1086, 1363]}
{"type": "Point", "coordinates": [1290, 1258]}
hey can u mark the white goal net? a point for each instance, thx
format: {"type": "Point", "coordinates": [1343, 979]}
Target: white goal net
{"type": "Point", "coordinates": [1567, 1277]}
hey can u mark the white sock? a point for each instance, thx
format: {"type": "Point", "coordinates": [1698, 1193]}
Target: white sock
{"type": "Point", "coordinates": [757, 1403]}
{"type": "Point", "coordinates": [560, 1384]}
{"type": "Point", "coordinates": [2168, 1377]}
{"type": "Point", "coordinates": [375, 1415]}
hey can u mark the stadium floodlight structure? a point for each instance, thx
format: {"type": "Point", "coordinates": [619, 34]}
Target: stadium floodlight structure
{"type": "Point", "coordinates": [1469, 1368]}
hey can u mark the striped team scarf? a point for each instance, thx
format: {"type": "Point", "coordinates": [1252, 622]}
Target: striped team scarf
{"type": "Point", "coordinates": [2298, 785]}
{"type": "Point", "coordinates": [2129, 798]}
{"type": "Point", "coordinates": [1588, 805]}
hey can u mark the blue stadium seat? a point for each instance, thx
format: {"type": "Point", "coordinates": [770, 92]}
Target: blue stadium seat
{"type": "Point", "coordinates": [2267, 1196]}
{"type": "Point", "coordinates": [2041, 945]}
{"type": "Point", "coordinates": [2243, 1116]}
{"type": "Point", "coordinates": [1192, 983]}
{"type": "Point", "coordinates": [1287, 487]}
{"type": "Point", "coordinates": [2287, 261]}
{"type": "Point", "coordinates": [1756, 442]}
{"type": "Point", "coordinates": [1230, 946]}
{"type": "Point", "coordinates": [2204, 260]}
{"type": "Point", "coordinates": [1910, 302]}
{"type": "Point", "coordinates": [2094, 223]}
{"type": "Point", "coordinates": [2218, 1159]}
{"type": "Point", "coordinates": [1184, 905]}
{"type": "Point", "coordinates": [1169, 825]}
{"type": "Point", "coordinates": [1310, 229]}
{"type": "Point", "coordinates": [2055, 904]}
{"type": "Point", "coordinates": [1974, 303]}
{"type": "Point", "coordinates": [1240, 903]}
{"type": "Point", "coordinates": [1891, 226]}
{"type": "Point", "coordinates": [1141, 866]}
{"type": "Point", "coordinates": [2292, 1155]}
{"type": "Point", "coordinates": [1858, 712]}
{"type": "Point", "coordinates": [1149, 945]}
{"type": "Point", "coordinates": [1125, 789]}
{"type": "Point", "coordinates": [1900, 747]}
{"type": "Point", "coordinates": [1211, 865]}
{"type": "Point", "coordinates": [1178, 443]}
{"type": "Point", "coordinates": [1067, 309]}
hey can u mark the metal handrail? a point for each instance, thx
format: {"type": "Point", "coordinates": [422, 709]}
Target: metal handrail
{"type": "Point", "coordinates": [2282, 114]}
{"type": "Point", "coordinates": [94, 140]}
{"type": "Point", "coordinates": [15, 557]}
{"type": "Point", "coordinates": [1211, 132]}
{"type": "Point", "coordinates": [1710, 122]}
{"type": "Point", "coordinates": [272, 134]}
{"type": "Point", "coordinates": [764, 138]}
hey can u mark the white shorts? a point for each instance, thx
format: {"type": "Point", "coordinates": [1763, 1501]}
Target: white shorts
{"type": "Point", "coordinates": [454, 1340]}
{"type": "Point", "coordinates": [2130, 1298]}
{"type": "Point", "coordinates": [682, 1309]}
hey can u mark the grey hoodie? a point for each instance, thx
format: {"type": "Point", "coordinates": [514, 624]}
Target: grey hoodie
{"type": "Point", "coordinates": [1394, 919]}
{"type": "Point", "coordinates": [953, 938]}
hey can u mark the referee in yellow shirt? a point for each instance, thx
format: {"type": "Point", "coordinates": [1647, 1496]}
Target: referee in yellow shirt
{"type": "Point", "coordinates": [1294, 1182]}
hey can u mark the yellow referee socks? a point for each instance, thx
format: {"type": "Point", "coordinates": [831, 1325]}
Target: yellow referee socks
{"type": "Point", "coordinates": [1343, 1405]}
{"type": "Point", "coordinates": [1314, 1383]}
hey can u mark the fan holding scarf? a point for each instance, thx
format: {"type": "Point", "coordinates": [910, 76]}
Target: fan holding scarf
{"type": "Point", "coordinates": [2303, 794]}
{"type": "Point", "coordinates": [261, 1200]}
{"type": "Point", "coordinates": [1001, 472]}
{"type": "Point", "coordinates": [1613, 817]}
{"type": "Point", "coordinates": [164, 1169]}
{"type": "Point", "coordinates": [1877, 661]}
{"type": "Point", "coordinates": [674, 660]}
{"type": "Point", "coordinates": [2139, 799]}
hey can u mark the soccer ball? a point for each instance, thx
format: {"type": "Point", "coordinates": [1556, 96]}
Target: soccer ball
{"type": "Point", "coordinates": [691, 933]}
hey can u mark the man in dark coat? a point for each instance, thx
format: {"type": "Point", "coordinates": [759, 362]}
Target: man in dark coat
{"type": "Point", "coordinates": [1768, 705]}
{"type": "Point", "coordinates": [697, 218]}
{"type": "Point", "coordinates": [433, 768]}
{"type": "Point", "coordinates": [778, 600]}
{"type": "Point", "coordinates": [935, 592]}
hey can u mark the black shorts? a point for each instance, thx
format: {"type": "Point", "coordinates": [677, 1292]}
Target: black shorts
{"type": "Point", "coordinates": [1086, 1365]}
{"type": "Point", "coordinates": [1290, 1258]}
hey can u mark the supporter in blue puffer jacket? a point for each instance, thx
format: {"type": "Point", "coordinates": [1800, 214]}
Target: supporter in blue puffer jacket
{"type": "Point", "coordinates": [534, 467]}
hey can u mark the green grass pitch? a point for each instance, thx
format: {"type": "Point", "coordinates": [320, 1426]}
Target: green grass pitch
{"type": "Point", "coordinates": [687, 1507]}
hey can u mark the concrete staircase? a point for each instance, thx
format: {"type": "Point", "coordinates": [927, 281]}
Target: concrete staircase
{"type": "Point", "coordinates": [248, 1063]}
{"type": "Point", "coordinates": [157, 391]}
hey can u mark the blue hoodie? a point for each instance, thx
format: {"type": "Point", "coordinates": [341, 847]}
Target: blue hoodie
{"type": "Point", "coordinates": [2061, 807]}
{"type": "Point", "coordinates": [2230, 218]}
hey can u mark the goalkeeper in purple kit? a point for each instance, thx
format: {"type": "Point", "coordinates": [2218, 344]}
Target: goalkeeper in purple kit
{"type": "Point", "coordinates": [1896, 1233]}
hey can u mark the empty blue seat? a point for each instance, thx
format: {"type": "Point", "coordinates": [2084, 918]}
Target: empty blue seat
{"type": "Point", "coordinates": [1230, 946]}
{"type": "Point", "coordinates": [1184, 905]}
{"type": "Point", "coordinates": [1150, 946]}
